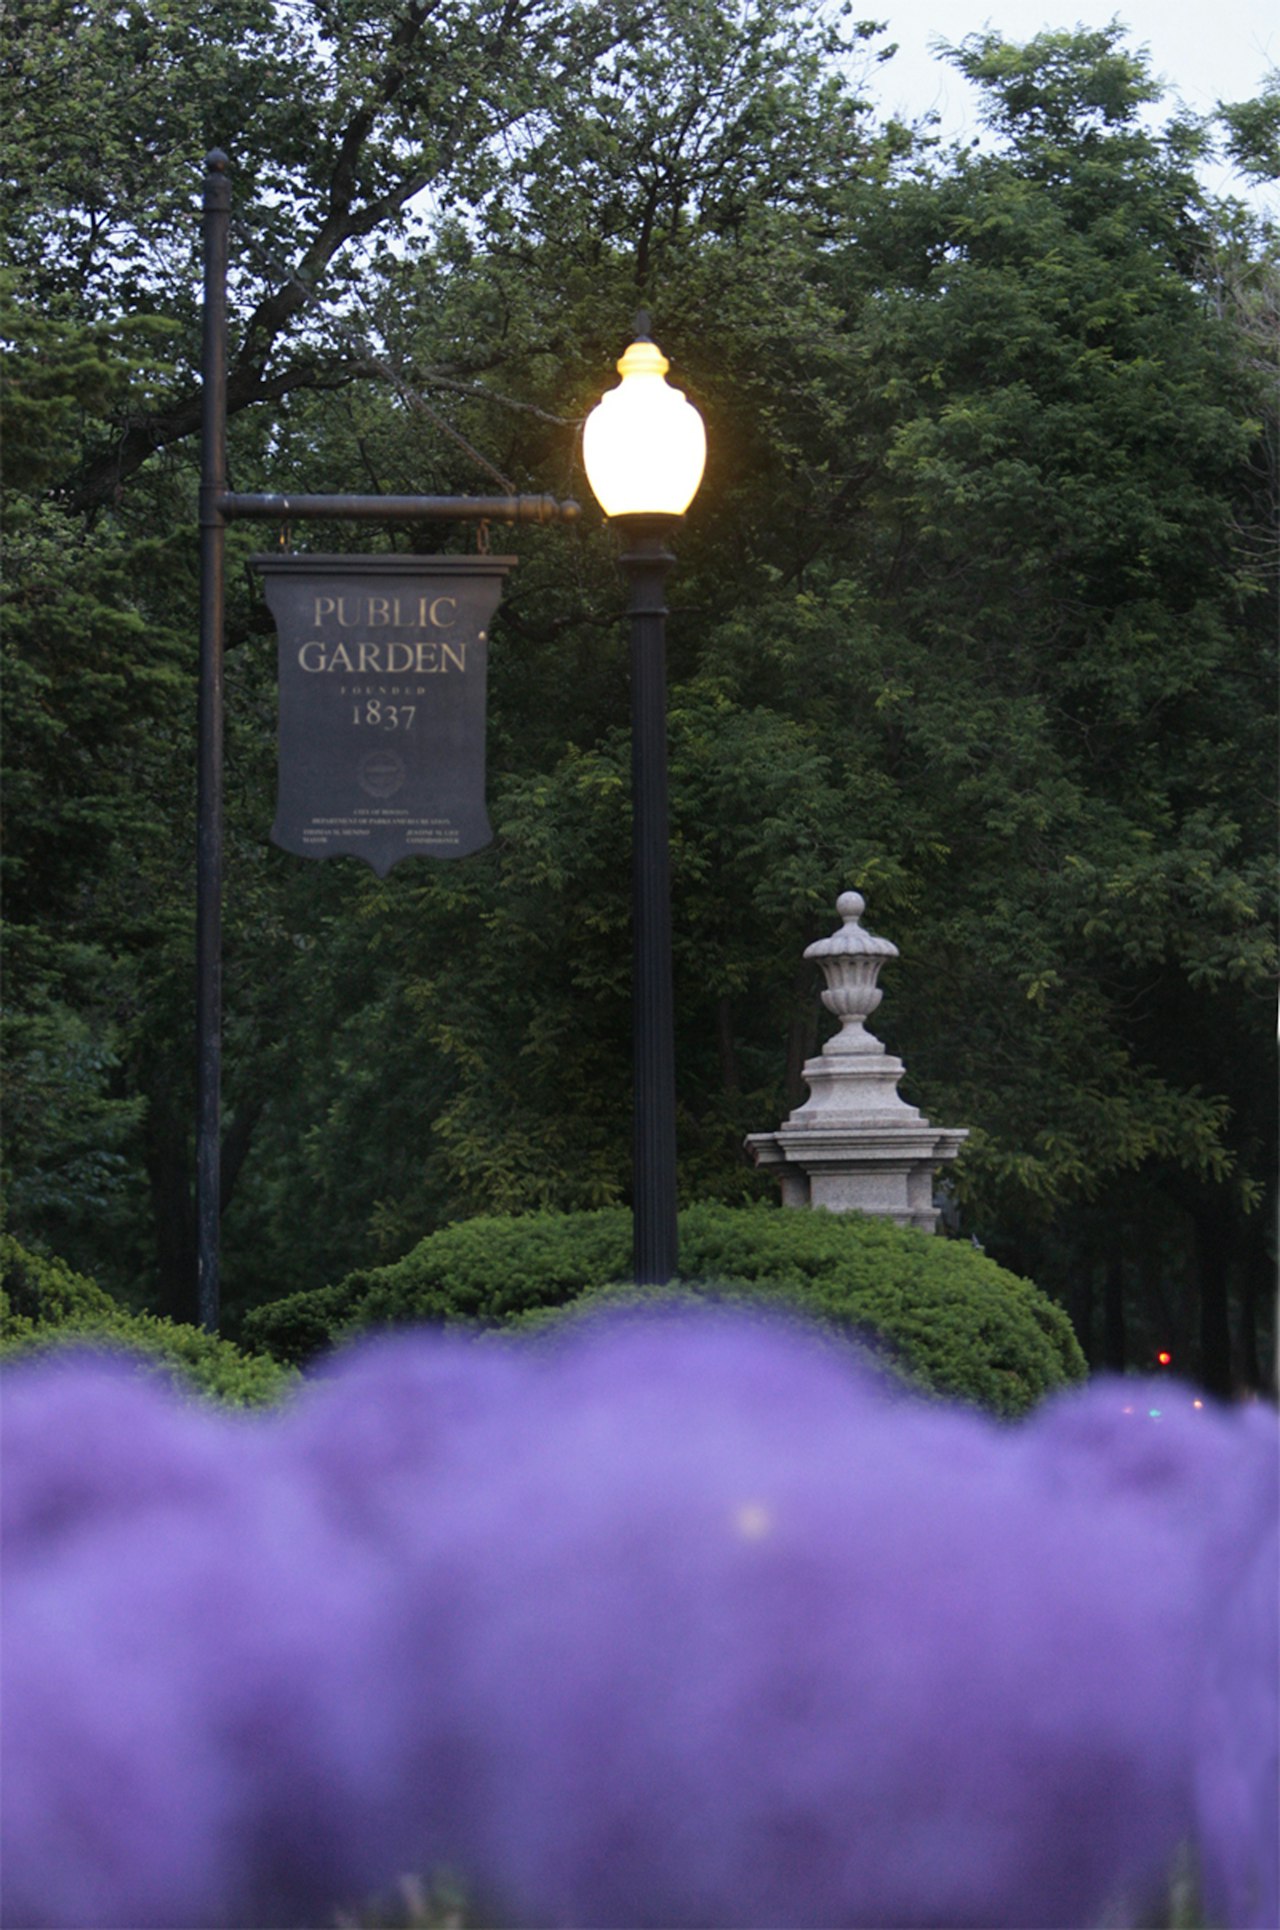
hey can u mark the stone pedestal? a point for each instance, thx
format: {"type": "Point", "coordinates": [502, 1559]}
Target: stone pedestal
{"type": "Point", "coordinates": [855, 1143]}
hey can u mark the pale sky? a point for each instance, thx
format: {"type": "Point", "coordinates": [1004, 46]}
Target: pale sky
{"type": "Point", "coordinates": [1207, 50]}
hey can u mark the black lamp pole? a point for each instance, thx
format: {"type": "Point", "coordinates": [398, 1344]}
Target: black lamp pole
{"type": "Point", "coordinates": [647, 560]}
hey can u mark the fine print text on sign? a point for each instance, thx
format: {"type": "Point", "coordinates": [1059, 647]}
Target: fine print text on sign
{"type": "Point", "coordinates": [383, 665]}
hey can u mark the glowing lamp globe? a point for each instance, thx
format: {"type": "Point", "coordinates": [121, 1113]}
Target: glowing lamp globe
{"type": "Point", "coordinates": [644, 445]}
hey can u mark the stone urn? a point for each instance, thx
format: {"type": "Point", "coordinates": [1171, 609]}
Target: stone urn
{"type": "Point", "coordinates": [855, 1144]}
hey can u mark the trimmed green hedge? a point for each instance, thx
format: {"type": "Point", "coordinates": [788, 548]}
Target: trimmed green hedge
{"type": "Point", "coordinates": [44, 1305]}
{"type": "Point", "coordinates": [954, 1321]}
{"type": "Point", "coordinates": [958, 1323]}
{"type": "Point", "coordinates": [484, 1271]}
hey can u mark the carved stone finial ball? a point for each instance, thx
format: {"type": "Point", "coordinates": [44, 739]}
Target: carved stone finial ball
{"type": "Point", "coordinates": [850, 905]}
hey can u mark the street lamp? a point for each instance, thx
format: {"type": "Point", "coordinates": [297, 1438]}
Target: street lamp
{"type": "Point", "coordinates": [644, 447]}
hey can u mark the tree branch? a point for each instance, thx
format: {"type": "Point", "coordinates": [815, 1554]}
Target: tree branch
{"type": "Point", "coordinates": [101, 479]}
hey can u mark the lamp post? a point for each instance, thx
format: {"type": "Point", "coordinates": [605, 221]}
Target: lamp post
{"type": "Point", "coordinates": [644, 447]}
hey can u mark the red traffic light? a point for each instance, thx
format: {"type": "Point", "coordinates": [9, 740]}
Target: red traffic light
{"type": "Point", "coordinates": [1164, 1357]}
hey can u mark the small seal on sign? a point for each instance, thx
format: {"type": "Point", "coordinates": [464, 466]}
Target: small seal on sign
{"type": "Point", "coordinates": [381, 773]}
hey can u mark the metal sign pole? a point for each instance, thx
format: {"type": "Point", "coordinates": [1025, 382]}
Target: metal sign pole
{"type": "Point", "coordinates": [213, 484]}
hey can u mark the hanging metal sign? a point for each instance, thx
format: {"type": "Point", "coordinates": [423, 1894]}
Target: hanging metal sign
{"type": "Point", "coordinates": [383, 666]}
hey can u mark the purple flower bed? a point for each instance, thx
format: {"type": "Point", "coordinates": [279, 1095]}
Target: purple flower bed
{"type": "Point", "coordinates": [681, 1621]}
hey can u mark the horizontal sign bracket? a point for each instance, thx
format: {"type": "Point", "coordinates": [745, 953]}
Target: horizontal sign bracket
{"type": "Point", "coordinates": [398, 509]}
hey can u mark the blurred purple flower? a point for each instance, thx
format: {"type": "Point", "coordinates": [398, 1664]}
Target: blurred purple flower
{"type": "Point", "coordinates": [679, 1621]}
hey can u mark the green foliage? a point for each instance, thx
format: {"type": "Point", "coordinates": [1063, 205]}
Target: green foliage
{"type": "Point", "coordinates": [61, 375]}
{"type": "Point", "coordinates": [482, 1270]}
{"type": "Point", "coordinates": [1253, 131]}
{"type": "Point", "coordinates": [963, 1325]}
{"type": "Point", "coordinates": [299, 1326]}
{"type": "Point", "coordinates": [44, 1306]}
{"type": "Point", "coordinates": [67, 1133]}
{"type": "Point", "coordinates": [958, 1324]}
{"type": "Point", "coordinates": [47, 1293]}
